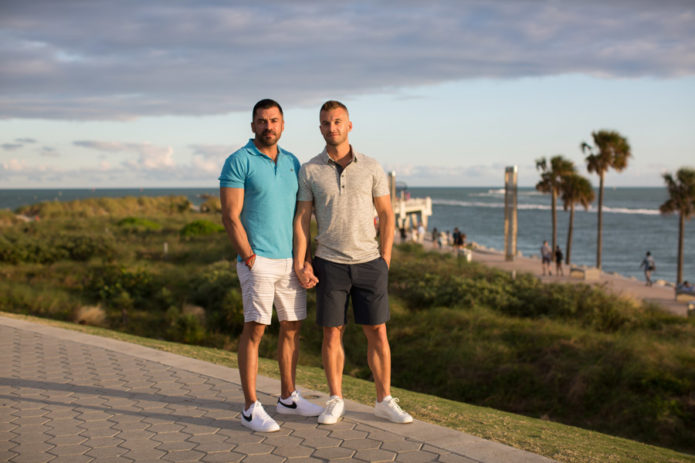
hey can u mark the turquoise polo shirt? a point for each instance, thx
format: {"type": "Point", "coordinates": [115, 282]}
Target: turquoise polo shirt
{"type": "Point", "coordinates": [270, 197]}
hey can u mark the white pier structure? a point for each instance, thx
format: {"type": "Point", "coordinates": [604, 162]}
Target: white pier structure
{"type": "Point", "coordinates": [409, 212]}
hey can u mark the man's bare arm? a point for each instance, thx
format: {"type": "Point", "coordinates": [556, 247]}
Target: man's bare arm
{"type": "Point", "coordinates": [302, 242]}
{"type": "Point", "coordinates": [387, 226]}
{"type": "Point", "coordinates": [232, 200]}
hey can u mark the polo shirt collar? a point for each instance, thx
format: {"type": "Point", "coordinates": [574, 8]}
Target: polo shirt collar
{"type": "Point", "coordinates": [251, 147]}
{"type": "Point", "coordinates": [327, 159]}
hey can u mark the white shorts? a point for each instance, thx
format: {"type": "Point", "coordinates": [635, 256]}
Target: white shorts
{"type": "Point", "coordinates": [271, 281]}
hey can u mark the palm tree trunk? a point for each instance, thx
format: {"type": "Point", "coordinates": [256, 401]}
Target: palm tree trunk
{"type": "Point", "coordinates": [599, 241]}
{"type": "Point", "coordinates": [681, 232]}
{"type": "Point", "coordinates": [569, 235]}
{"type": "Point", "coordinates": [554, 213]}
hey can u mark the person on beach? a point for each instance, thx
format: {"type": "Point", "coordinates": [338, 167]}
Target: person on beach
{"type": "Point", "coordinates": [558, 261]}
{"type": "Point", "coordinates": [457, 240]}
{"type": "Point", "coordinates": [258, 190]}
{"type": "Point", "coordinates": [546, 257]}
{"type": "Point", "coordinates": [345, 187]}
{"type": "Point", "coordinates": [649, 266]}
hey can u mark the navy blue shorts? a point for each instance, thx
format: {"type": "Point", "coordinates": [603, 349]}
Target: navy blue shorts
{"type": "Point", "coordinates": [367, 285]}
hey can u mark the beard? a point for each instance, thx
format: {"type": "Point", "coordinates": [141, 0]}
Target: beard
{"type": "Point", "coordinates": [268, 138]}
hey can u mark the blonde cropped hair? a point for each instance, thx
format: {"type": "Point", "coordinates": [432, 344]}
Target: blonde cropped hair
{"type": "Point", "coordinates": [333, 104]}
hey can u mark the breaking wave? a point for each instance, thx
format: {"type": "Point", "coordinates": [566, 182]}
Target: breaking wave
{"type": "Point", "coordinates": [540, 207]}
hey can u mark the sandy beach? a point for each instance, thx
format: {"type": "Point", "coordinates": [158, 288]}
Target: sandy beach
{"type": "Point", "coordinates": [659, 293]}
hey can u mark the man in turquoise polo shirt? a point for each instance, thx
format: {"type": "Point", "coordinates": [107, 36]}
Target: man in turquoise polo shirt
{"type": "Point", "coordinates": [258, 191]}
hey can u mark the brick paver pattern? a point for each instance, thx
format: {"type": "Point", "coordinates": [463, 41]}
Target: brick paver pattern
{"type": "Point", "coordinates": [63, 401]}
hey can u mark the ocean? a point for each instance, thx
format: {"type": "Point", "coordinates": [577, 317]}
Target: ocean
{"type": "Point", "coordinates": [632, 223]}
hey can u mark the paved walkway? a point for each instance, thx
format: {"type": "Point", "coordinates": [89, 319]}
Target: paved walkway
{"type": "Point", "coordinates": [72, 397]}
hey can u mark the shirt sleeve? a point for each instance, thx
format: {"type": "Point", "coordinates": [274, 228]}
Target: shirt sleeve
{"type": "Point", "coordinates": [305, 193]}
{"type": "Point", "coordinates": [234, 172]}
{"type": "Point", "coordinates": [381, 184]}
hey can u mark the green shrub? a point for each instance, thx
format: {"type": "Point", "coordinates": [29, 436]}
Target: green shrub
{"type": "Point", "coordinates": [7, 218]}
{"type": "Point", "coordinates": [184, 327]}
{"type": "Point", "coordinates": [37, 299]}
{"type": "Point", "coordinates": [125, 288]}
{"type": "Point", "coordinates": [138, 224]}
{"type": "Point", "coordinates": [41, 247]}
{"type": "Point", "coordinates": [200, 227]}
{"type": "Point", "coordinates": [216, 288]}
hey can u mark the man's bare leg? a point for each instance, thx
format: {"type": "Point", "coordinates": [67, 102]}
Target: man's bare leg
{"type": "Point", "coordinates": [288, 354]}
{"type": "Point", "coordinates": [248, 359]}
{"type": "Point", "coordinates": [379, 358]}
{"type": "Point", "coordinates": [333, 358]}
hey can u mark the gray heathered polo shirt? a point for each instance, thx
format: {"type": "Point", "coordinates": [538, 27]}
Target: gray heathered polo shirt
{"type": "Point", "coordinates": [344, 206]}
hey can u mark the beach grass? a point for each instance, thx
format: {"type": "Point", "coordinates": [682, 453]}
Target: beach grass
{"type": "Point", "coordinates": [554, 440]}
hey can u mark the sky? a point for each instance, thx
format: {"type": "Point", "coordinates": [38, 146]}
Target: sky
{"type": "Point", "coordinates": [135, 94]}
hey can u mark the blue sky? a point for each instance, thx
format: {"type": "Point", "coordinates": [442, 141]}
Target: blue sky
{"type": "Point", "coordinates": [445, 93]}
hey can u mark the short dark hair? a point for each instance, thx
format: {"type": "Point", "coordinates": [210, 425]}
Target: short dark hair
{"type": "Point", "coordinates": [266, 103]}
{"type": "Point", "coordinates": [333, 104]}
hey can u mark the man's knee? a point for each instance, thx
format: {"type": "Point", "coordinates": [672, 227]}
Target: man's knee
{"type": "Point", "coordinates": [253, 332]}
{"type": "Point", "coordinates": [333, 335]}
{"type": "Point", "coordinates": [376, 334]}
{"type": "Point", "coordinates": [290, 328]}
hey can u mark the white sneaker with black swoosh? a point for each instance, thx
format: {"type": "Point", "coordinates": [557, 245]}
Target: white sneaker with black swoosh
{"type": "Point", "coordinates": [257, 419]}
{"type": "Point", "coordinates": [295, 404]}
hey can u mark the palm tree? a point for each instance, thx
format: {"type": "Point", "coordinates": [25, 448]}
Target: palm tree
{"type": "Point", "coordinates": [681, 192]}
{"type": "Point", "coordinates": [552, 174]}
{"type": "Point", "coordinates": [610, 151]}
{"type": "Point", "coordinates": [575, 190]}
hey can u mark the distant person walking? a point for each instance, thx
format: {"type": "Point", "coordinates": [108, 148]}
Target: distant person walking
{"type": "Point", "coordinates": [546, 258]}
{"type": "Point", "coordinates": [344, 187]}
{"type": "Point", "coordinates": [558, 261]}
{"type": "Point", "coordinates": [458, 238]}
{"type": "Point", "coordinates": [258, 190]}
{"type": "Point", "coordinates": [649, 266]}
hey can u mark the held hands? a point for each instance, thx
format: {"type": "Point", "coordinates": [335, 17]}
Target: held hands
{"type": "Point", "coordinates": [305, 275]}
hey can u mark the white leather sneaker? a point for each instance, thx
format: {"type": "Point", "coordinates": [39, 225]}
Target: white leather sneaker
{"type": "Point", "coordinates": [335, 409]}
{"type": "Point", "coordinates": [389, 409]}
{"type": "Point", "coordinates": [258, 420]}
{"type": "Point", "coordinates": [298, 405]}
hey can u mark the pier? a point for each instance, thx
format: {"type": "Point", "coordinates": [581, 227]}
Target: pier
{"type": "Point", "coordinates": [409, 211]}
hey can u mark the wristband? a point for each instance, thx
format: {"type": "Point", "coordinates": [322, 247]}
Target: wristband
{"type": "Point", "coordinates": [246, 261]}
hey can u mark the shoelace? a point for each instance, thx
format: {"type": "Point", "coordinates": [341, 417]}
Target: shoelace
{"type": "Point", "coordinates": [331, 404]}
{"type": "Point", "coordinates": [394, 404]}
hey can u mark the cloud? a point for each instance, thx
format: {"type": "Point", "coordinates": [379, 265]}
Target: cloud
{"type": "Point", "coordinates": [13, 165]}
{"type": "Point", "coordinates": [25, 140]}
{"type": "Point", "coordinates": [11, 146]}
{"type": "Point", "coordinates": [458, 175]}
{"type": "Point", "coordinates": [150, 157]}
{"type": "Point", "coordinates": [102, 145]}
{"type": "Point", "coordinates": [48, 151]}
{"type": "Point", "coordinates": [208, 159]}
{"type": "Point", "coordinates": [209, 57]}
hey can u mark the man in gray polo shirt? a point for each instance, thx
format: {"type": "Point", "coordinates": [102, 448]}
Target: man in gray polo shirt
{"type": "Point", "coordinates": [345, 187]}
